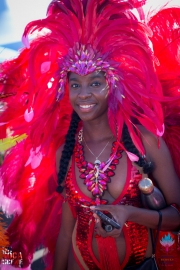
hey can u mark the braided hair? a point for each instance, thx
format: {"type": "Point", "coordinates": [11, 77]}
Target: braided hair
{"type": "Point", "coordinates": [129, 145]}
{"type": "Point", "coordinates": [67, 150]}
{"type": "Point", "coordinates": [70, 143]}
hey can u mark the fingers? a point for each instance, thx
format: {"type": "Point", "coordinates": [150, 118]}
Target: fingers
{"type": "Point", "coordinates": [109, 214]}
{"type": "Point", "coordinates": [97, 218]}
{"type": "Point", "coordinates": [112, 209]}
{"type": "Point", "coordinates": [101, 207]}
{"type": "Point", "coordinates": [114, 233]}
{"type": "Point", "coordinates": [101, 231]}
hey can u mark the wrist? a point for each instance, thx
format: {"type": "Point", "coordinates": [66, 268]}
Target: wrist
{"type": "Point", "coordinates": [132, 212]}
{"type": "Point", "coordinates": [143, 216]}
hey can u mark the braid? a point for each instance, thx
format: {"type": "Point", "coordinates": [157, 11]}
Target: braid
{"type": "Point", "coordinates": [129, 145]}
{"type": "Point", "coordinates": [67, 150]}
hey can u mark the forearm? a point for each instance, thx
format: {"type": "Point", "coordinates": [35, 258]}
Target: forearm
{"type": "Point", "coordinates": [150, 218]}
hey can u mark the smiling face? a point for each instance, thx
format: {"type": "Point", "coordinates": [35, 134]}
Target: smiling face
{"type": "Point", "coordinates": [89, 95]}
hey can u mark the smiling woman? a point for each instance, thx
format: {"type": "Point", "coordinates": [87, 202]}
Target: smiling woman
{"type": "Point", "coordinates": [99, 113]}
{"type": "Point", "coordinates": [89, 95]}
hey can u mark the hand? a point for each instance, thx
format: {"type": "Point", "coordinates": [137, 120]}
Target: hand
{"type": "Point", "coordinates": [120, 214]}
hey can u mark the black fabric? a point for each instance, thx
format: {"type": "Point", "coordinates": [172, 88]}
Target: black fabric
{"type": "Point", "coordinates": [149, 263]}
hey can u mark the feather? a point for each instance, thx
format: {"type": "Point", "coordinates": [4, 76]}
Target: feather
{"type": "Point", "coordinates": [7, 143]}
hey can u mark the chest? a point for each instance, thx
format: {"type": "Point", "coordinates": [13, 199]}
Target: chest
{"type": "Point", "coordinates": [117, 178]}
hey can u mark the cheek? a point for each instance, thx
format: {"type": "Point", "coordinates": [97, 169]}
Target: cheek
{"type": "Point", "coordinates": [71, 96]}
{"type": "Point", "coordinates": [104, 92]}
{"type": "Point", "coordinates": [103, 101]}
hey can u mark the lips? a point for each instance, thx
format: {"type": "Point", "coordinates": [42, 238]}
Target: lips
{"type": "Point", "coordinates": [86, 107]}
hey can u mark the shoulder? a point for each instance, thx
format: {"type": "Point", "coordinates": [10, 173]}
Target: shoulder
{"type": "Point", "coordinates": [146, 135]}
{"type": "Point", "coordinates": [154, 145]}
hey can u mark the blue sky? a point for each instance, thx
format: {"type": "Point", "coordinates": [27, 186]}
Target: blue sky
{"type": "Point", "coordinates": [14, 15]}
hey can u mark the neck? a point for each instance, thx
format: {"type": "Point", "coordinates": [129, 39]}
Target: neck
{"type": "Point", "coordinates": [96, 132]}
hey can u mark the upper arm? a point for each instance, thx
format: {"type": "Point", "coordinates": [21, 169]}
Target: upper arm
{"type": "Point", "coordinates": [67, 222]}
{"type": "Point", "coordinates": [164, 172]}
{"type": "Point", "coordinates": [67, 217]}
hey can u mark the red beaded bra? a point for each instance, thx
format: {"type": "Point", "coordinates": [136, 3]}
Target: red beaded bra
{"type": "Point", "coordinates": [96, 176]}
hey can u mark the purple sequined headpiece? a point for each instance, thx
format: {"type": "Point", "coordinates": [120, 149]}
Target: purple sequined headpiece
{"type": "Point", "coordinates": [83, 59]}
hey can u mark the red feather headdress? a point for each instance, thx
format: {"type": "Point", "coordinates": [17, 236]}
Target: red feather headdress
{"type": "Point", "coordinates": [83, 36]}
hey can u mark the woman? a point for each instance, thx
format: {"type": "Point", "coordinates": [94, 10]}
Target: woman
{"type": "Point", "coordinates": [95, 54]}
{"type": "Point", "coordinates": [88, 96]}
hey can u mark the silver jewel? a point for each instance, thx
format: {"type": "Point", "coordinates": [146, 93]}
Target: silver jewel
{"type": "Point", "coordinates": [97, 161]}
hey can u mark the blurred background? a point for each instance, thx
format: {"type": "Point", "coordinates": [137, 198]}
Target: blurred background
{"type": "Point", "coordinates": [14, 15]}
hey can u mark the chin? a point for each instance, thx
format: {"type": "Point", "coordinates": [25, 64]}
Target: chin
{"type": "Point", "coordinates": [85, 118]}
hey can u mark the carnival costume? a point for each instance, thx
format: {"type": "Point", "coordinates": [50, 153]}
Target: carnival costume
{"type": "Point", "coordinates": [83, 37]}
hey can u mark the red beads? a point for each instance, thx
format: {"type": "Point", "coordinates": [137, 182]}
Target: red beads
{"type": "Point", "coordinates": [110, 173]}
{"type": "Point", "coordinates": [112, 167]}
{"type": "Point", "coordinates": [82, 175]}
{"type": "Point", "coordinates": [96, 176]}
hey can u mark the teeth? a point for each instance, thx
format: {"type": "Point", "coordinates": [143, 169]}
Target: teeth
{"type": "Point", "coordinates": [86, 106]}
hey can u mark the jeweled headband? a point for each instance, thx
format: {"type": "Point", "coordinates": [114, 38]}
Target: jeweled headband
{"type": "Point", "coordinates": [83, 59]}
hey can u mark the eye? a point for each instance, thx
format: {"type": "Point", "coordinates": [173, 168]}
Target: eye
{"type": "Point", "coordinates": [96, 84]}
{"type": "Point", "coordinates": [74, 85]}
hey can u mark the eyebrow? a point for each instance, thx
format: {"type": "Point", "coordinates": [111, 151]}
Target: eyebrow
{"type": "Point", "coordinates": [97, 76]}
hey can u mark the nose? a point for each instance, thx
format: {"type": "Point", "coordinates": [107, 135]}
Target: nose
{"type": "Point", "coordinates": [84, 92]}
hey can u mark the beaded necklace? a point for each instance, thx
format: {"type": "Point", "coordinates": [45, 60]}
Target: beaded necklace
{"type": "Point", "coordinates": [96, 176]}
